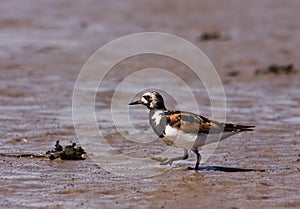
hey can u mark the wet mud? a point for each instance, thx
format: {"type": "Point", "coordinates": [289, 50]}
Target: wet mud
{"type": "Point", "coordinates": [44, 45]}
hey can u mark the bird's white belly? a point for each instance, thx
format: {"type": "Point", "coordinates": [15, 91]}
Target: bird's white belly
{"type": "Point", "coordinates": [178, 138]}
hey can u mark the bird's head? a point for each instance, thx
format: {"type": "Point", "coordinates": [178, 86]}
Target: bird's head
{"type": "Point", "coordinates": [152, 100]}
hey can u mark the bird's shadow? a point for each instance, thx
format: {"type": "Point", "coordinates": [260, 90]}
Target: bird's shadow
{"type": "Point", "coordinates": [226, 169]}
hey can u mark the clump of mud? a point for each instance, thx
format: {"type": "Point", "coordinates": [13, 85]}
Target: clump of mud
{"type": "Point", "coordinates": [213, 34]}
{"type": "Point", "coordinates": [69, 152]}
{"type": "Point", "coordinates": [233, 73]}
{"type": "Point", "coordinates": [277, 70]}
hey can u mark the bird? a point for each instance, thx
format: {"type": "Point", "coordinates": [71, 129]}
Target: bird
{"type": "Point", "coordinates": [184, 129]}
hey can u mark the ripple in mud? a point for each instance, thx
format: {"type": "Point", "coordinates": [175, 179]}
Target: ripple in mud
{"type": "Point", "coordinates": [11, 92]}
{"type": "Point", "coordinates": [292, 120]}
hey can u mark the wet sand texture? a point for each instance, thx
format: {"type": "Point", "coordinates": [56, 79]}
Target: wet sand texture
{"type": "Point", "coordinates": [43, 46]}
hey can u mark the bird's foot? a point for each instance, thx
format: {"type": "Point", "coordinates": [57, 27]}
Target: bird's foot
{"type": "Point", "coordinates": [159, 159]}
{"type": "Point", "coordinates": [164, 161]}
{"type": "Point", "coordinates": [167, 161]}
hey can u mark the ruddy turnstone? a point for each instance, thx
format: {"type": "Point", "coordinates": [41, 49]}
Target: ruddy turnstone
{"type": "Point", "coordinates": [184, 129]}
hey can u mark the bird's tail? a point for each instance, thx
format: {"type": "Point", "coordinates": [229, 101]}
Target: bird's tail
{"type": "Point", "coordinates": [237, 128]}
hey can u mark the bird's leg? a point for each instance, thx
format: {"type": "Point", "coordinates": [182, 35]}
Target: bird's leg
{"type": "Point", "coordinates": [165, 161]}
{"type": "Point", "coordinates": [196, 151]}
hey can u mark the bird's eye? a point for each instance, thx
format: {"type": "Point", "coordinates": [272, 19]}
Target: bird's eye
{"type": "Point", "coordinates": [147, 97]}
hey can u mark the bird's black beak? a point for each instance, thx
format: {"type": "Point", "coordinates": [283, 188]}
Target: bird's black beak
{"type": "Point", "coordinates": [136, 102]}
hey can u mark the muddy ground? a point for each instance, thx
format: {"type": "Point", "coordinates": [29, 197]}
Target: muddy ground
{"type": "Point", "coordinates": [44, 45]}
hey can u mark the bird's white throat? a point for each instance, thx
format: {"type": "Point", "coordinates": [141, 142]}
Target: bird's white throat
{"type": "Point", "coordinates": [157, 116]}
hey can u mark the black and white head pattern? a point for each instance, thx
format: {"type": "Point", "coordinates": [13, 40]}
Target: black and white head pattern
{"type": "Point", "coordinates": [153, 100]}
